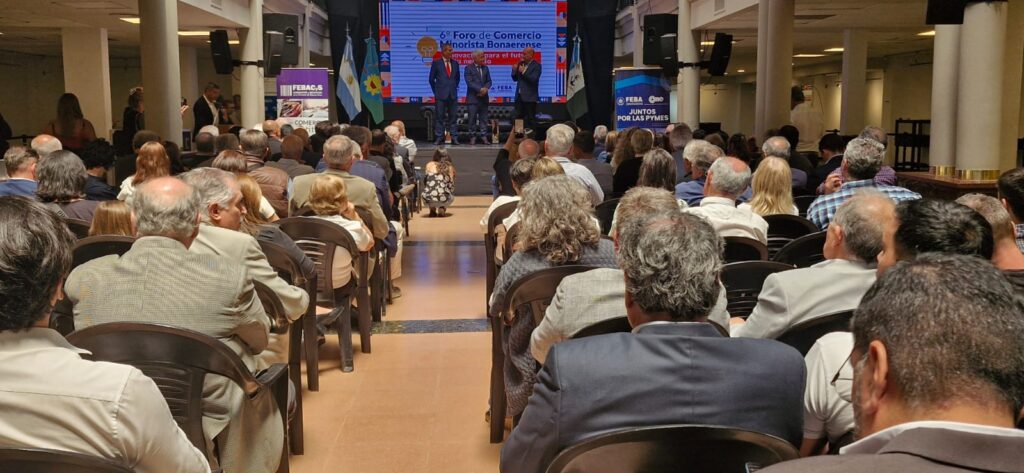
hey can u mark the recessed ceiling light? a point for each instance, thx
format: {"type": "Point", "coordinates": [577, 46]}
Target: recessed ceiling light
{"type": "Point", "coordinates": [131, 19]}
{"type": "Point", "coordinates": [927, 33]}
{"type": "Point", "coordinates": [230, 41]}
{"type": "Point", "coordinates": [804, 55]}
{"type": "Point", "coordinates": [834, 50]}
{"type": "Point", "coordinates": [740, 71]}
{"type": "Point", "coordinates": [712, 43]}
{"type": "Point", "coordinates": [193, 33]}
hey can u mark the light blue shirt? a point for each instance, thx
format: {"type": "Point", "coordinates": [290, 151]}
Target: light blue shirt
{"type": "Point", "coordinates": [584, 176]}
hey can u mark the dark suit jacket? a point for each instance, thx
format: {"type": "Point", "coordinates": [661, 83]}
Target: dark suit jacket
{"type": "Point", "coordinates": [821, 173]}
{"type": "Point", "coordinates": [925, 450]}
{"type": "Point", "coordinates": [527, 84]}
{"type": "Point", "coordinates": [476, 80]}
{"type": "Point", "coordinates": [202, 114]}
{"type": "Point", "coordinates": [445, 87]}
{"type": "Point", "coordinates": [503, 171]}
{"type": "Point", "coordinates": [664, 374]}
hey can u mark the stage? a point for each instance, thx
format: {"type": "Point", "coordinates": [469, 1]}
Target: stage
{"type": "Point", "coordinates": [474, 165]}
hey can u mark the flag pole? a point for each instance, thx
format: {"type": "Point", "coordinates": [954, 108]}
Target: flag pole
{"type": "Point", "coordinates": [369, 116]}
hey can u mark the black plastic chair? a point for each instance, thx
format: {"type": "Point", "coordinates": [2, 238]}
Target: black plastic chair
{"type": "Point", "coordinates": [743, 282]}
{"type": "Point", "coordinates": [803, 335]}
{"type": "Point", "coordinates": [491, 245]}
{"type": "Point", "coordinates": [605, 212]}
{"type": "Point", "coordinates": [744, 249]}
{"type": "Point", "coordinates": [79, 227]}
{"type": "Point", "coordinates": [803, 202]}
{"type": "Point", "coordinates": [803, 252]}
{"type": "Point", "coordinates": [302, 341]}
{"type": "Point", "coordinates": [320, 239]}
{"type": "Point", "coordinates": [85, 250]}
{"type": "Point", "coordinates": [379, 282]}
{"type": "Point", "coordinates": [37, 460]}
{"type": "Point", "coordinates": [783, 229]}
{"type": "Point", "coordinates": [674, 448]}
{"type": "Point", "coordinates": [614, 325]}
{"type": "Point", "coordinates": [179, 360]}
{"type": "Point", "coordinates": [510, 240]}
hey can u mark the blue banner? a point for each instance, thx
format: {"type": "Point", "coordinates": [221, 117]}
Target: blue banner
{"type": "Point", "coordinates": [641, 99]}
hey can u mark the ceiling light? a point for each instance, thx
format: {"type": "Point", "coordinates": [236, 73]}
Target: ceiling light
{"type": "Point", "coordinates": [712, 43]}
{"type": "Point", "coordinates": [834, 50]}
{"type": "Point", "coordinates": [927, 33]}
{"type": "Point", "coordinates": [131, 19]}
{"type": "Point", "coordinates": [808, 55]}
{"type": "Point", "coordinates": [230, 41]}
{"type": "Point", "coordinates": [741, 71]}
{"type": "Point", "coordinates": [193, 33]}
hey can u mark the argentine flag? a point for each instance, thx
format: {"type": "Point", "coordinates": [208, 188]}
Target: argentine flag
{"type": "Point", "coordinates": [348, 83]}
{"type": "Point", "coordinates": [576, 91]}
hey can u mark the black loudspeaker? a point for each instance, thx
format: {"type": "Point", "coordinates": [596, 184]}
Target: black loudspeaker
{"type": "Point", "coordinates": [945, 12]}
{"type": "Point", "coordinates": [669, 55]}
{"type": "Point", "coordinates": [221, 52]}
{"type": "Point", "coordinates": [273, 43]}
{"type": "Point", "coordinates": [656, 26]}
{"type": "Point", "coordinates": [287, 25]}
{"type": "Point", "coordinates": [720, 54]}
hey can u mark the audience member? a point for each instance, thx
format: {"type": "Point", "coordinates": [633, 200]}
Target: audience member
{"type": "Point", "coordinates": [808, 121]}
{"type": "Point", "coordinates": [45, 144]}
{"type": "Point", "coordinates": [738, 147]}
{"type": "Point", "coordinates": [521, 172]}
{"type": "Point", "coordinates": [273, 181]}
{"type": "Point", "coordinates": [112, 217]}
{"type": "Point", "coordinates": [403, 162]}
{"type": "Point", "coordinates": [70, 126]}
{"type": "Point", "coordinates": [61, 185]}
{"type": "Point", "coordinates": [557, 146]}
{"type": "Point", "coordinates": [380, 155]}
{"type": "Point", "coordinates": [52, 397]}
{"type": "Point", "coordinates": [404, 140]}
{"type": "Point", "coordinates": [226, 142]}
{"type": "Point", "coordinates": [98, 158]}
{"type": "Point", "coordinates": [20, 164]}
{"type": "Point", "coordinates": [5, 134]}
{"type": "Point", "coordinates": [329, 201]}
{"type": "Point", "coordinates": [1005, 254]}
{"type": "Point", "coordinates": [886, 175]}
{"type": "Point", "coordinates": [583, 154]}
{"type": "Point", "coordinates": [530, 170]}
{"type": "Point", "coordinates": [160, 281]}
{"type": "Point", "coordinates": [151, 163]}
{"type": "Point", "coordinates": [623, 147]}
{"type": "Point", "coordinates": [797, 159]}
{"type": "Point", "coordinates": [628, 170]}
{"type": "Point", "coordinates": [861, 162]}
{"type": "Point", "coordinates": [773, 191]}
{"type": "Point", "coordinates": [932, 225]}
{"type": "Point", "coordinates": [291, 161]}
{"type": "Point", "coordinates": [716, 140]}
{"type": "Point", "coordinates": [260, 228]}
{"type": "Point", "coordinates": [852, 245]}
{"type": "Point", "coordinates": [726, 180]}
{"type": "Point", "coordinates": [174, 157]}
{"type": "Point", "coordinates": [205, 150]}
{"type": "Point", "coordinates": [673, 369]}
{"type": "Point", "coordinates": [509, 153]}
{"type": "Point", "coordinates": [439, 183]}
{"type": "Point", "coordinates": [555, 231]}
{"type": "Point", "coordinates": [600, 135]}
{"type": "Point", "coordinates": [779, 147]}
{"type": "Point", "coordinates": [937, 364]}
{"type": "Point", "coordinates": [1011, 194]}
{"type": "Point", "coordinates": [369, 170]}
{"type": "Point", "coordinates": [831, 149]}
{"type": "Point", "coordinates": [309, 158]}
{"type": "Point", "coordinates": [679, 137]}
{"type": "Point", "coordinates": [609, 147]}
{"type": "Point", "coordinates": [699, 155]}
{"type": "Point", "coordinates": [273, 131]}
{"type": "Point", "coordinates": [658, 171]}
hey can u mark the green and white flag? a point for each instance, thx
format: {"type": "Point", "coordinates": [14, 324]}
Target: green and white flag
{"type": "Point", "coordinates": [576, 91]}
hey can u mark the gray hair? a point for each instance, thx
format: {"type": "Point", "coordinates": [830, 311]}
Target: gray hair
{"type": "Point", "coordinates": [993, 211]}
{"type": "Point", "coordinates": [556, 219]}
{"type": "Point", "coordinates": [46, 144]}
{"type": "Point", "coordinates": [600, 133]}
{"type": "Point", "coordinates": [171, 215]}
{"type": "Point", "coordinates": [393, 132]}
{"type": "Point", "coordinates": [875, 133]}
{"type": "Point", "coordinates": [254, 142]}
{"type": "Point", "coordinates": [701, 154]}
{"type": "Point", "coordinates": [339, 151]}
{"type": "Point", "coordinates": [212, 186]}
{"type": "Point", "coordinates": [525, 151]}
{"type": "Point", "coordinates": [680, 136]}
{"type": "Point", "coordinates": [641, 202]}
{"type": "Point", "coordinates": [776, 147]}
{"type": "Point", "coordinates": [61, 177]}
{"type": "Point", "coordinates": [478, 52]}
{"type": "Point", "coordinates": [727, 179]}
{"type": "Point", "coordinates": [18, 157]}
{"type": "Point", "coordinates": [863, 158]}
{"type": "Point", "coordinates": [671, 261]}
{"type": "Point", "coordinates": [559, 140]}
{"type": "Point", "coordinates": [951, 326]}
{"type": "Point", "coordinates": [862, 228]}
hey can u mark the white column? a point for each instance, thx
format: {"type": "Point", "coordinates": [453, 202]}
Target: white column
{"type": "Point", "coordinates": [945, 83]}
{"type": "Point", "coordinates": [979, 117]}
{"type": "Point", "coordinates": [251, 76]}
{"type": "Point", "coordinates": [638, 38]}
{"type": "Point", "coordinates": [189, 82]}
{"type": "Point", "coordinates": [158, 30]}
{"type": "Point", "coordinates": [87, 74]}
{"type": "Point", "coordinates": [688, 95]}
{"type": "Point", "coordinates": [760, 90]}
{"type": "Point", "coordinates": [855, 82]}
{"type": "Point", "coordinates": [1012, 81]}
{"type": "Point", "coordinates": [305, 36]}
{"type": "Point", "coordinates": [779, 63]}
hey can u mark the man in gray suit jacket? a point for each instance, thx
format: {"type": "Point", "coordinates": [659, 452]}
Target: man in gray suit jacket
{"type": "Point", "coordinates": [160, 281]}
{"type": "Point", "coordinates": [938, 363]}
{"type": "Point", "coordinates": [673, 369]}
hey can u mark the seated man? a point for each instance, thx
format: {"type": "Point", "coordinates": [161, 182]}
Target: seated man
{"type": "Point", "coordinates": [273, 181]}
{"type": "Point", "coordinates": [588, 298]}
{"type": "Point", "coordinates": [861, 162]}
{"type": "Point", "coordinates": [725, 182]}
{"type": "Point", "coordinates": [851, 248]}
{"type": "Point", "coordinates": [45, 144]}
{"type": "Point", "coordinates": [160, 281]}
{"type": "Point", "coordinates": [779, 147]}
{"type": "Point", "coordinates": [52, 398]}
{"type": "Point", "coordinates": [1005, 254]}
{"type": "Point", "coordinates": [673, 369]}
{"type": "Point", "coordinates": [20, 164]}
{"type": "Point", "coordinates": [886, 175]}
{"type": "Point", "coordinates": [937, 364]}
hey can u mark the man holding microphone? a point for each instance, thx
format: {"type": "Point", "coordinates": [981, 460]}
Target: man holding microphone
{"type": "Point", "coordinates": [527, 77]}
{"type": "Point", "coordinates": [478, 86]}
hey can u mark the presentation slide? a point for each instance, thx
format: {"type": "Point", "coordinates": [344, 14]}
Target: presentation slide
{"type": "Point", "coordinates": [412, 32]}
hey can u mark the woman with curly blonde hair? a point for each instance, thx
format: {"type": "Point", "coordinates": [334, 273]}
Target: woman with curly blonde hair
{"type": "Point", "coordinates": [773, 189]}
{"type": "Point", "coordinates": [328, 197]}
{"type": "Point", "coordinates": [557, 228]}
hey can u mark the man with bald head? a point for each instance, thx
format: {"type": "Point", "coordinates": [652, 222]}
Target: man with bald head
{"type": "Point", "coordinates": [727, 179]}
{"type": "Point", "coordinates": [45, 144]}
{"type": "Point", "coordinates": [527, 76]}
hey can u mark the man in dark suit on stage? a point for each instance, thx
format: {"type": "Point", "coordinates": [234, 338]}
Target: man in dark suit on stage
{"type": "Point", "coordinates": [527, 77]}
{"type": "Point", "coordinates": [675, 368]}
{"type": "Point", "coordinates": [444, 81]}
{"type": "Point", "coordinates": [206, 111]}
{"type": "Point", "coordinates": [478, 86]}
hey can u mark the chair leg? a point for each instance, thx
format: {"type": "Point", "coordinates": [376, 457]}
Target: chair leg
{"type": "Point", "coordinates": [375, 286]}
{"type": "Point", "coordinates": [365, 319]}
{"type": "Point", "coordinates": [344, 327]}
{"type": "Point", "coordinates": [295, 425]}
{"type": "Point", "coordinates": [312, 351]}
{"type": "Point", "coordinates": [498, 401]}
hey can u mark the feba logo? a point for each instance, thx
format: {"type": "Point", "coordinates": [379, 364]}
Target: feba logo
{"type": "Point", "coordinates": [655, 99]}
{"type": "Point", "coordinates": [621, 101]}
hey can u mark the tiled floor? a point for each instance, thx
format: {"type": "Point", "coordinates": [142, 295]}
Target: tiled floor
{"type": "Point", "coordinates": [417, 403]}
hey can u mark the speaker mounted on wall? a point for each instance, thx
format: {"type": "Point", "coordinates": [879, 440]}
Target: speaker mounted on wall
{"type": "Point", "coordinates": [945, 12]}
{"type": "Point", "coordinates": [720, 54]}
{"type": "Point", "coordinates": [273, 44]}
{"type": "Point", "coordinates": [221, 52]}
{"type": "Point", "coordinates": [656, 26]}
{"type": "Point", "coordinates": [288, 26]}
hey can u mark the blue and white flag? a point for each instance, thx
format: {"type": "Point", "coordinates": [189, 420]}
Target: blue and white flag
{"type": "Point", "coordinates": [348, 83]}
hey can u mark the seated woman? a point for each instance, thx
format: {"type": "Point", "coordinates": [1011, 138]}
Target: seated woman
{"type": "Point", "coordinates": [773, 189]}
{"type": "Point", "coordinates": [530, 170]}
{"type": "Point", "coordinates": [260, 228]}
{"type": "Point", "coordinates": [329, 200]}
{"type": "Point", "coordinates": [113, 217]}
{"type": "Point", "coordinates": [70, 126]}
{"type": "Point", "coordinates": [439, 187]}
{"type": "Point", "coordinates": [556, 230]}
{"type": "Point", "coordinates": [627, 173]}
{"type": "Point", "coordinates": [151, 163]}
{"type": "Point", "coordinates": [61, 178]}
{"type": "Point", "coordinates": [659, 171]}
{"type": "Point", "coordinates": [234, 162]}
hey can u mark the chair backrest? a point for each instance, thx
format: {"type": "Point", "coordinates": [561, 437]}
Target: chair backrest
{"type": "Point", "coordinates": [803, 252]}
{"type": "Point", "coordinates": [744, 249]}
{"type": "Point", "coordinates": [273, 306]}
{"type": "Point", "coordinates": [803, 202]}
{"type": "Point", "coordinates": [537, 289]}
{"type": "Point", "coordinates": [319, 240]}
{"type": "Point", "coordinates": [287, 267]}
{"type": "Point", "coordinates": [177, 359]}
{"type": "Point", "coordinates": [783, 229]}
{"type": "Point", "coordinates": [79, 227]}
{"type": "Point", "coordinates": [605, 212]}
{"type": "Point", "coordinates": [613, 325]}
{"type": "Point", "coordinates": [303, 212]}
{"type": "Point", "coordinates": [90, 248]}
{"type": "Point", "coordinates": [674, 448]}
{"type": "Point", "coordinates": [743, 282]}
{"type": "Point", "coordinates": [37, 460]}
{"type": "Point", "coordinates": [803, 335]}
{"type": "Point", "coordinates": [499, 214]}
{"type": "Point", "coordinates": [510, 240]}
